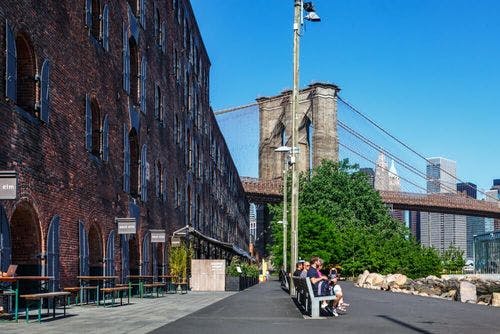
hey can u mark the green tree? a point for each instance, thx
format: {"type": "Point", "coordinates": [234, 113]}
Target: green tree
{"type": "Point", "coordinates": [343, 220]}
{"type": "Point", "coordinates": [452, 259]}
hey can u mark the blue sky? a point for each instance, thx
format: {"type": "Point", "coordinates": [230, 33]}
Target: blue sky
{"type": "Point", "coordinates": [427, 70]}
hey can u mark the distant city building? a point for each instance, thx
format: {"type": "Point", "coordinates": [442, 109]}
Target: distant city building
{"type": "Point", "coordinates": [253, 222]}
{"type": "Point", "coordinates": [492, 196]}
{"type": "Point", "coordinates": [470, 189]}
{"type": "Point", "coordinates": [414, 224]}
{"type": "Point", "coordinates": [441, 230]}
{"type": "Point", "coordinates": [441, 175]}
{"type": "Point", "coordinates": [371, 175]}
{"type": "Point", "coordinates": [394, 182]}
{"type": "Point", "coordinates": [474, 225]}
{"type": "Point", "coordinates": [381, 173]}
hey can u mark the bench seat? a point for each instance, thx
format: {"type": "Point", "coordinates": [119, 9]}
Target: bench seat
{"type": "Point", "coordinates": [39, 298]}
{"type": "Point", "coordinates": [305, 296]}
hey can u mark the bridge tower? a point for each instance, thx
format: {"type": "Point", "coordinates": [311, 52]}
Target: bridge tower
{"type": "Point", "coordinates": [317, 119]}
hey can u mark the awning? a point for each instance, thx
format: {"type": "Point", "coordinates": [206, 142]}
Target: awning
{"type": "Point", "coordinates": [229, 246]}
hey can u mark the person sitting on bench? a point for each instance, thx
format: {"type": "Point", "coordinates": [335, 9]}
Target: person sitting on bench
{"type": "Point", "coordinates": [320, 283]}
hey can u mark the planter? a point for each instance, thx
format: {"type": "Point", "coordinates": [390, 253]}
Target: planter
{"type": "Point", "coordinates": [239, 283]}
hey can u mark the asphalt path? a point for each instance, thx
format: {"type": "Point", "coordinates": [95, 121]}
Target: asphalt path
{"type": "Point", "coordinates": [266, 308]}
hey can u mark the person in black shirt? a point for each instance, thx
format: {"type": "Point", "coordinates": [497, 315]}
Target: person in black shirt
{"type": "Point", "coordinates": [299, 266]}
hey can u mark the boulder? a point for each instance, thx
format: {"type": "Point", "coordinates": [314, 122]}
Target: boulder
{"type": "Point", "coordinates": [495, 299]}
{"type": "Point", "coordinates": [484, 299]}
{"type": "Point", "coordinates": [374, 279]}
{"type": "Point", "coordinates": [467, 292]}
{"type": "Point", "coordinates": [362, 277]}
{"type": "Point", "coordinates": [394, 281]}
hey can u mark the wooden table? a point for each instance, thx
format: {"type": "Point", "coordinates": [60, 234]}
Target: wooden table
{"type": "Point", "coordinates": [15, 291]}
{"type": "Point", "coordinates": [141, 279]}
{"type": "Point", "coordinates": [84, 279]}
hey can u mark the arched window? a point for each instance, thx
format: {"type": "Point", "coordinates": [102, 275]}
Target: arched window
{"type": "Point", "coordinates": [134, 163]}
{"type": "Point", "coordinates": [95, 29]}
{"type": "Point", "coordinates": [96, 128]}
{"type": "Point", "coordinates": [134, 71]}
{"type": "Point", "coordinates": [284, 138]}
{"type": "Point", "coordinates": [158, 104]}
{"type": "Point", "coordinates": [189, 150]}
{"type": "Point", "coordinates": [310, 143]}
{"type": "Point", "coordinates": [26, 69]}
{"type": "Point", "coordinates": [133, 6]}
{"type": "Point", "coordinates": [158, 28]}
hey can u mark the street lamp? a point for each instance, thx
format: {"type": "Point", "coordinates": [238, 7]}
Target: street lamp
{"type": "Point", "coordinates": [285, 149]}
{"type": "Point", "coordinates": [297, 24]}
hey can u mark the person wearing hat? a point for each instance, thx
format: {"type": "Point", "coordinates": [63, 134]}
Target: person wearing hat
{"type": "Point", "coordinates": [299, 266]}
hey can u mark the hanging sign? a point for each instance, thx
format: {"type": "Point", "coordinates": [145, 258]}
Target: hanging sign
{"type": "Point", "coordinates": [126, 225]}
{"type": "Point", "coordinates": [8, 184]}
{"type": "Point", "coordinates": [175, 241]}
{"type": "Point", "coordinates": [158, 235]}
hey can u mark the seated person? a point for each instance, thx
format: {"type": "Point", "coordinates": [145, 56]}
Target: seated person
{"type": "Point", "coordinates": [336, 291]}
{"type": "Point", "coordinates": [303, 274]}
{"type": "Point", "coordinates": [299, 266]}
{"type": "Point", "coordinates": [320, 283]}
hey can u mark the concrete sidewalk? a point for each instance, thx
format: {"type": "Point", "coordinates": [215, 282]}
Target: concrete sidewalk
{"type": "Point", "coordinates": [141, 316]}
{"type": "Point", "coordinates": [266, 308]}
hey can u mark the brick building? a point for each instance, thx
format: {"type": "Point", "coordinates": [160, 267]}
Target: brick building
{"type": "Point", "coordinates": [105, 113]}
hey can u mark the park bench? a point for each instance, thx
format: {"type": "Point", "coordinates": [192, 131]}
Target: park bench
{"type": "Point", "coordinates": [285, 280]}
{"type": "Point", "coordinates": [154, 287]}
{"type": "Point", "coordinates": [39, 297]}
{"type": "Point", "coordinates": [76, 291]}
{"type": "Point", "coordinates": [112, 291]}
{"type": "Point", "coordinates": [305, 296]}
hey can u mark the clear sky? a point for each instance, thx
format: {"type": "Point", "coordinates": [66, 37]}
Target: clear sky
{"type": "Point", "coordinates": [427, 70]}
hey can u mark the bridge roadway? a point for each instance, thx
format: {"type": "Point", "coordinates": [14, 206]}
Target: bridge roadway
{"type": "Point", "coordinates": [270, 191]}
{"type": "Point", "coordinates": [265, 308]}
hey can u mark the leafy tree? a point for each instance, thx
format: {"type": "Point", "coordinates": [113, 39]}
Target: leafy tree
{"type": "Point", "coordinates": [452, 259]}
{"type": "Point", "coordinates": [343, 220]}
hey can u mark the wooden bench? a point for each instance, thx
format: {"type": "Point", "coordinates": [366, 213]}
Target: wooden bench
{"type": "Point", "coordinates": [155, 286]}
{"type": "Point", "coordinates": [305, 296]}
{"type": "Point", "coordinates": [120, 290]}
{"type": "Point", "coordinates": [76, 290]}
{"type": "Point", "coordinates": [39, 297]}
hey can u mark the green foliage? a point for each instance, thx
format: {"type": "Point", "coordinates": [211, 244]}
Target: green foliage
{"type": "Point", "coordinates": [178, 262]}
{"type": "Point", "coordinates": [452, 259]}
{"type": "Point", "coordinates": [247, 269]}
{"type": "Point", "coordinates": [343, 220]}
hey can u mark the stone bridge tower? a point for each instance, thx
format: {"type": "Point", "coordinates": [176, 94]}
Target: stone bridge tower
{"type": "Point", "coordinates": [317, 119]}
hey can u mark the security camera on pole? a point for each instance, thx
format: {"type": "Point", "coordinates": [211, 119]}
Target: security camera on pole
{"type": "Point", "coordinates": [297, 25]}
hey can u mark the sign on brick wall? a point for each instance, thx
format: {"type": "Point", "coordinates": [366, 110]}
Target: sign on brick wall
{"type": "Point", "coordinates": [158, 235]}
{"type": "Point", "coordinates": [8, 184]}
{"type": "Point", "coordinates": [126, 225]}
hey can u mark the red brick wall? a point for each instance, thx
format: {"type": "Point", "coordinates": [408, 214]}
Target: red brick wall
{"type": "Point", "coordinates": [56, 173]}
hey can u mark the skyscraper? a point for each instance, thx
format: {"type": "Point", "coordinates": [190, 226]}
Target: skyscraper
{"type": "Point", "coordinates": [441, 230]}
{"type": "Point", "coordinates": [474, 225]}
{"type": "Point", "coordinates": [381, 173]}
{"type": "Point", "coordinates": [370, 174]}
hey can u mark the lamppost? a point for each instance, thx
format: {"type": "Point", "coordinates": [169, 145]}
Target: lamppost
{"type": "Point", "coordinates": [285, 149]}
{"type": "Point", "coordinates": [297, 24]}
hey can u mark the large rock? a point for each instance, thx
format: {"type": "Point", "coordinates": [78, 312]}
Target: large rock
{"type": "Point", "coordinates": [495, 299]}
{"type": "Point", "coordinates": [396, 280]}
{"type": "Point", "coordinates": [467, 292]}
{"type": "Point", "coordinates": [374, 279]}
{"type": "Point", "coordinates": [362, 277]}
{"type": "Point", "coordinates": [484, 298]}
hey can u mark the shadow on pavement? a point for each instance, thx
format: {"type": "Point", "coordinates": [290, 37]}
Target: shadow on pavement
{"type": "Point", "coordinates": [404, 324]}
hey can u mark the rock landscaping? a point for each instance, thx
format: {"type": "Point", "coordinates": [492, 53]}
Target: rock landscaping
{"type": "Point", "coordinates": [467, 289]}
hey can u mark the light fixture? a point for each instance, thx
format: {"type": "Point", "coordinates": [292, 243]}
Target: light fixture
{"type": "Point", "coordinates": [283, 149]}
{"type": "Point", "coordinates": [311, 16]}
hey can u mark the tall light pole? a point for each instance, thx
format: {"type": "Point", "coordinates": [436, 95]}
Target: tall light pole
{"type": "Point", "coordinates": [285, 149]}
{"type": "Point", "coordinates": [297, 25]}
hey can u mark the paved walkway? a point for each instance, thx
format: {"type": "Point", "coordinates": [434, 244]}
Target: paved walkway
{"type": "Point", "coordinates": [141, 316]}
{"type": "Point", "coordinates": [265, 308]}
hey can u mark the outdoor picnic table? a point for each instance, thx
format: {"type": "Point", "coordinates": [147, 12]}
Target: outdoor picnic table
{"type": "Point", "coordinates": [141, 279]}
{"type": "Point", "coordinates": [103, 279]}
{"type": "Point", "coordinates": [15, 290]}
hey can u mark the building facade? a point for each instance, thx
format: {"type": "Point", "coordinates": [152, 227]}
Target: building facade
{"type": "Point", "coordinates": [105, 113]}
{"type": "Point", "coordinates": [441, 230]}
{"type": "Point", "coordinates": [317, 122]}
